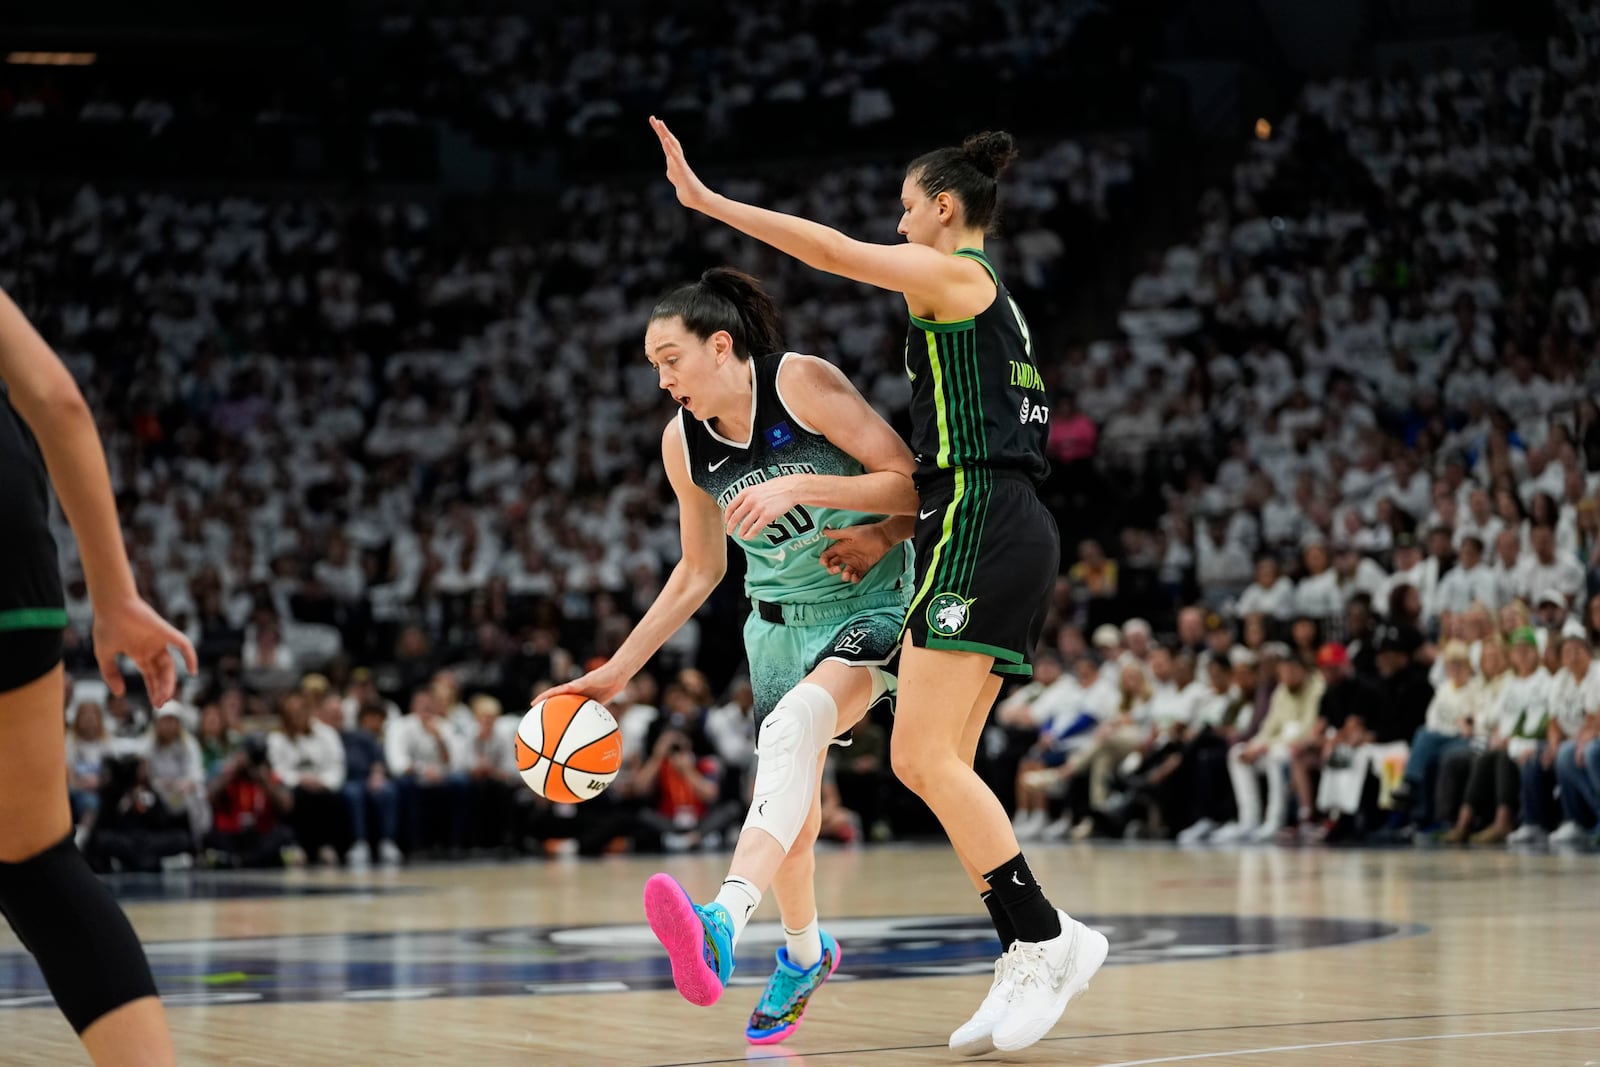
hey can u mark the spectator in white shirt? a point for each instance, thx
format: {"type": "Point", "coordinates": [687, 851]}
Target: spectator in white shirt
{"type": "Point", "coordinates": [1508, 568]}
{"type": "Point", "coordinates": [1061, 711]}
{"type": "Point", "coordinates": [1355, 573]}
{"type": "Point", "coordinates": [427, 758]}
{"type": "Point", "coordinates": [1452, 718]}
{"type": "Point", "coordinates": [496, 782]}
{"type": "Point", "coordinates": [1410, 488]}
{"type": "Point", "coordinates": [177, 772]}
{"type": "Point", "coordinates": [1575, 709]}
{"type": "Point", "coordinates": [1317, 595]}
{"type": "Point", "coordinates": [1547, 570]}
{"type": "Point", "coordinates": [1283, 518]}
{"type": "Point", "coordinates": [1269, 594]}
{"type": "Point", "coordinates": [308, 757]}
{"type": "Point", "coordinates": [1222, 564]}
{"type": "Point", "coordinates": [1469, 582]}
{"type": "Point", "coordinates": [269, 664]}
{"type": "Point", "coordinates": [731, 729]}
{"type": "Point", "coordinates": [1480, 521]}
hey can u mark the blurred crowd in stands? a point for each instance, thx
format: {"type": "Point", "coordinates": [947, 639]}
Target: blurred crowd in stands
{"type": "Point", "coordinates": [1330, 494]}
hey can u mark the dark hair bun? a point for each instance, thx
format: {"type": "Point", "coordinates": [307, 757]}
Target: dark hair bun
{"type": "Point", "coordinates": [990, 151]}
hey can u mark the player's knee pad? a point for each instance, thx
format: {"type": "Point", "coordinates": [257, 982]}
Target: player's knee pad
{"type": "Point", "coordinates": [791, 739]}
{"type": "Point", "coordinates": [83, 943]}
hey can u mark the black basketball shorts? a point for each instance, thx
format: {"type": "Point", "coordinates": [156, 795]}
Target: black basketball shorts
{"type": "Point", "coordinates": [987, 555]}
{"type": "Point", "coordinates": [32, 607]}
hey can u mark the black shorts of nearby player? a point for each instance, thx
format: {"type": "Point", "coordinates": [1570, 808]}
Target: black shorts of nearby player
{"type": "Point", "coordinates": [987, 557]}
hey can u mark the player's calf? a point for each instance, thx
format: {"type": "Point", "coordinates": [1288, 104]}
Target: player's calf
{"type": "Point", "coordinates": [84, 944]}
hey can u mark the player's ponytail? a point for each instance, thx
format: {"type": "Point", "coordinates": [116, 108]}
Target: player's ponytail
{"type": "Point", "coordinates": [970, 173]}
{"type": "Point", "coordinates": [731, 300]}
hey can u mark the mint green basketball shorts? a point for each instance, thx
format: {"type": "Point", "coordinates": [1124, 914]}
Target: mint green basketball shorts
{"type": "Point", "coordinates": [786, 642]}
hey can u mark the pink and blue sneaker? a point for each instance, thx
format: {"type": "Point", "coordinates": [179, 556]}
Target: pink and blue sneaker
{"type": "Point", "coordinates": [788, 992]}
{"type": "Point", "coordinates": [698, 940]}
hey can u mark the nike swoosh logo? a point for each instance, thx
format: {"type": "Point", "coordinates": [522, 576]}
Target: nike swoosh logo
{"type": "Point", "coordinates": [720, 462]}
{"type": "Point", "coordinates": [1017, 878]}
{"type": "Point", "coordinates": [925, 514]}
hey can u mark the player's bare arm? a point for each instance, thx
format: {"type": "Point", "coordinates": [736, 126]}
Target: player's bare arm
{"type": "Point", "coordinates": [819, 394]}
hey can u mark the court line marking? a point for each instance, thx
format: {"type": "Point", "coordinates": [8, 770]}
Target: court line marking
{"type": "Point", "coordinates": [1176, 1030]}
{"type": "Point", "coordinates": [1348, 1044]}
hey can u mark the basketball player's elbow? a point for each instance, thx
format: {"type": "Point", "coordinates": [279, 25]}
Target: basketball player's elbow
{"type": "Point", "coordinates": [55, 406]}
{"type": "Point", "coordinates": [831, 253]}
{"type": "Point", "coordinates": [701, 575]}
{"type": "Point", "coordinates": [902, 495]}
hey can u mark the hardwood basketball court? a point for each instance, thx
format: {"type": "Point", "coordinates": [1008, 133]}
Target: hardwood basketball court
{"type": "Point", "coordinates": [1259, 955]}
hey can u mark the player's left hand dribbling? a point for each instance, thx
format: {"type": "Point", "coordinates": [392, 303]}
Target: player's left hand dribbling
{"type": "Point", "coordinates": [599, 685]}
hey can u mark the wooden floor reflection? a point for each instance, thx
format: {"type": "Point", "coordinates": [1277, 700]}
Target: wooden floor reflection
{"type": "Point", "coordinates": [1259, 956]}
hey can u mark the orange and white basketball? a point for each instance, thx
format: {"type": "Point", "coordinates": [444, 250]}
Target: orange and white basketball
{"type": "Point", "coordinates": [568, 749]}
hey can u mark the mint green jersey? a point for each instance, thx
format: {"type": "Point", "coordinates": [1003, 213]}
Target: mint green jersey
{"type": "Point", "coordinates": [783, 560]}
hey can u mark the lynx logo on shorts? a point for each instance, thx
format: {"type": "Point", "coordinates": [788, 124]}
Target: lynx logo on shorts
{"type": "Point", "coordinates": [851, 641]}
{"type": "Point", "coordinates": [948, 614]}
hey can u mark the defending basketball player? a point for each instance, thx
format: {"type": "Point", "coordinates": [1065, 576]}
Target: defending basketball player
{"type": "Point", "coordinates": [61, 912]}
{"type": "Point", "coordinates": [987, 550]}
{"type": "Point", "coordinates": [775, 451]}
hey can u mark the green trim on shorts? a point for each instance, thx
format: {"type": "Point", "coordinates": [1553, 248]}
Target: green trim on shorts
{"type": "Point", "coordinates": [1024, 670]}
{"type": "Point", "coordinates": [33, 619]}
{"type": "Point", "coordinates": [1003, 655]}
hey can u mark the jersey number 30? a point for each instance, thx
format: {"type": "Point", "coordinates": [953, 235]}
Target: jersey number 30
{"type": "Point", "coordinates": [796, 522]}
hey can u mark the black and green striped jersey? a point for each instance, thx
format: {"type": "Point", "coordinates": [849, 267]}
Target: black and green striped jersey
{"type": "Point", "coordinates": [976, 395]}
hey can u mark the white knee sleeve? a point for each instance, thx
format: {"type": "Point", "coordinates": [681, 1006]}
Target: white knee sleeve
{"type": "Point", "coordinates": [791, 738]}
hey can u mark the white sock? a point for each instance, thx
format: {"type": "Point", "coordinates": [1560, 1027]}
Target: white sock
{"type": "Point", "coordinates": [804, 945]}
{"type": "Point", "coordinates": [741, 898]}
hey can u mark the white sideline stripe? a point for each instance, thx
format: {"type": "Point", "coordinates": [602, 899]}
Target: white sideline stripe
{"type": "Point", "coordinates": [1349, 1044]}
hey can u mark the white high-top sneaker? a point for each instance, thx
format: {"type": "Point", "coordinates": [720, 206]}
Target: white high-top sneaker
{"type": "Point", "coordinates": [1569, 833]}
{"type": "Point", "coordinates": [1045, 976]}
{"type": "Point", "coordinates": [975, 1037]}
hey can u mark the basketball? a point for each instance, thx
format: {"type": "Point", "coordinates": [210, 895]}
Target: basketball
{"type": "Point", "coordinates": [568, 749]}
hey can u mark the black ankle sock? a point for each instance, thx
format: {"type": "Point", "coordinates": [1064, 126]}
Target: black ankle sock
{"type": "Point", "coordinates": [1033, 918]}
{"type": "Point", "coordinates": [1002, 922]}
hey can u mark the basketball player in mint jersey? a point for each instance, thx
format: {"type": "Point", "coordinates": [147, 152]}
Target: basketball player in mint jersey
{"type": "Point", "coordinates": [780, 453]}
{"type": "Point", "coordinates": [987, 551]}
{"type": "Point", "coordinates": [60, 911]}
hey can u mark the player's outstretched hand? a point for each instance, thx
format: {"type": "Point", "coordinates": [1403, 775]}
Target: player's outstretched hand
{"type": "Point", "coordinates": [599, 685]}
{"type": "Point", "coordinates": [132, 628]}
{"type": "Point", "coordinates": [855, 550]}
{"type": "Point", "coordinates": [692, 192]}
